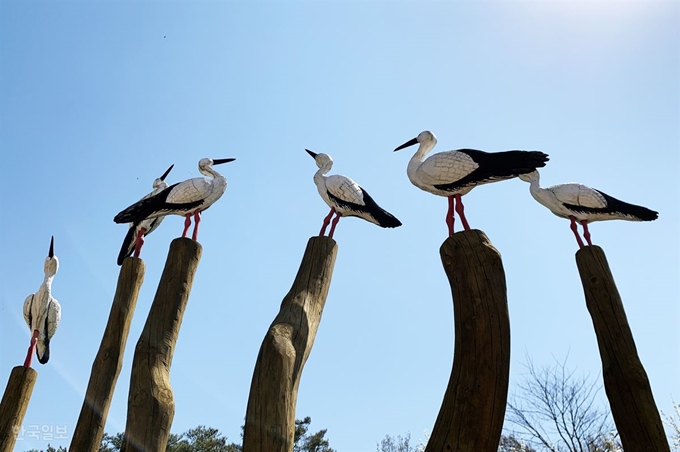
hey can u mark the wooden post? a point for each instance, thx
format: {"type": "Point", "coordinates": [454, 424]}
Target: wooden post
{"type": "Point", "coordinates": [151, 406]}
{"type": "Point", "coordinates": [270, 415]}
{"type": "Point", "coordinates": [14, 404]}
{"type": "Point", "coordinates": [472, 413]}
{"type": "Point", "coordinates": [109, 360]}
{"type": "Point", "coordinates": [625, 380]}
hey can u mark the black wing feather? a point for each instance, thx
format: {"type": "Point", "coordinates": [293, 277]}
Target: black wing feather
{"type": "Point", "coordinates": [617, 206]}
{"type": "Point", "coordinates": [383, 217]}
{"type": "Point", "coordinates": [142, 209]}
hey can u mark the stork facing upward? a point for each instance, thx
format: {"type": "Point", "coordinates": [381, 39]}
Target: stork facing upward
{"type": "Point", "coordinates": [346, 198]}
{"type": "Point", "coordinates": [134, 239]}
{"type": "Point", "coordinates": [187, 198]}
{"type": "Point", "coordinates": [43, 313]}
{"type": "Point", "coordinates": [454, 173]}
{"type": "Point", "coordinates": [580, 203]}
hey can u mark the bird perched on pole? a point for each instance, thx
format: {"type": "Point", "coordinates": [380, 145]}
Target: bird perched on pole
{"type": "Point", "coordinates": [346, 198]}
{"type": "Point", "coordinates": [580, 203]}
{"type": "Point", "coordinates": [43, 313]}
{"type": "Point", "coordinates": [187, 198]}
{"type": "Point", "coordinates": [454, 173]}
{"type": "Point", "coordinates": [134, 239]}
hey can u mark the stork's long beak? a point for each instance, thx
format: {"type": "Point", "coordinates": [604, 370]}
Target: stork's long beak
{"type": "Point", "coordinates": [165, 174]}
{"type": "Point", "coordinates": [51, 254]}
{"type": "Point", "coordinates": [407, 144]}
{"type": "Point", "coordinates": [313, 154]}
{"type": "Point", "coordinates": [221, 161]}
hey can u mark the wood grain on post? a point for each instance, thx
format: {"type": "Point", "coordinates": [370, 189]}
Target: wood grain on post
{"type": "Point", "coordinates": [14, 404]}
{"type": "Point", "coordinates": [625, 380]}
{"type": "Point", "coordinates": [106, 367]}
{"type": "Point", "coordinates": [270, 415]}
{"type": "Point", "coordinates": [151, 405]}
{"type": "Point", "coordinates": [472, 413]}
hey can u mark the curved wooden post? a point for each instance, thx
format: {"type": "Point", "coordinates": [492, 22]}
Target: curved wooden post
{"type": "Point", "coordinates": [151, 405]}
{"type": "Point", "coordinates": [14, 404]}
{"type": "Point", "coordinates": [106, 367]}
{"type": "Point", "coordinates": [625, 380]}
{"type": "Point", "coordinates": [472, 413]}
{"type": "Point", "coordinates": [270, 416]}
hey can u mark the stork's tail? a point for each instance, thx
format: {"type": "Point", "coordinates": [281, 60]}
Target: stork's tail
{"type": "Point", "coordinates": [42, 351]}
{"type": "Point", "coordinates": [382, 217]}
{"type": "Point", "coordinates": [514, 163]}
{"type": "Point", "coordinates": [629, 211]}
{"type": "Point", "coordinates": [128, 245]}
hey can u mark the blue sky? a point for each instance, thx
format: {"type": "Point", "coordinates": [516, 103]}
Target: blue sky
{"type": "Point", "coordinates": [98, 99]}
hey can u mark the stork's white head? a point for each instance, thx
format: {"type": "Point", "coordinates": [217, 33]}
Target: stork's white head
{"type": "Point", "coordinates": [426, 139]}
{"type": "Point", "coordinates": [160, 182]}
{"type": "Point", "coordinates": [530, 177]}
{"type": "Point", "coordinates": [322, 160]}
{"type": "Point", "coordinates": [51, 262]}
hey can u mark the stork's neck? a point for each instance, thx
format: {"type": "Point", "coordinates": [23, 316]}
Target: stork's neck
{"type": "Point", "coordinates": [419, 156]}
{"type": "Point", "coordinates": [320, 175]}
{"type": "Point", "coordinates": [210, 172]}
{"type": "Point", "coordinates": [47, 282]}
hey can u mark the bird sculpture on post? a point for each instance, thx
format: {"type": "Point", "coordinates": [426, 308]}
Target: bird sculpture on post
{"type": "Point", "coordinates": [454, 173]}
{"type": "Point", "coordinates": [346, 198]}
{"type": "Point", "coordinates": [188, 198]}
{"type": "Point", "coordinates": [43, 313]}
{"type": "Point", "coordinates": [580, 203]}
{"type": "Point", "coordinates": [134, 239]}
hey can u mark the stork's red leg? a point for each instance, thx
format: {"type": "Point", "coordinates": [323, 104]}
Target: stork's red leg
{"type": "Point", "coordinates": [326, 221]}
{"type": "Point", "coordinates": [335, 221]}
{"type": "Point", "coordinates": [187, 223]}
{"type": "Point", "coordinates": [139, 242]}
{"type": "Point", "coordinates": [461, 211]}
{"type": "Point", "coordinates": [586, 233]}
{"type": "Point", "coordinates": [575, 230]}
{"type": "Point", "coordinates": [449, 216]}
{"type": "Point", "coordinates": [31, 348]}
{"type": "Point", "coordinates": [197, 219]}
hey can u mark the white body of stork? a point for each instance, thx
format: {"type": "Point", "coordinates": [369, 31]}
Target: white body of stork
{"type": "Point", "coordinates": [134, 239]}
{"type": "Point", "coordinates": [187, 198]}
{"type": "Point", "coordinates": [346, 198]}
{"type": "Point", "coordinates": [455, 173]}
{"type": "Point", "coordinates": [580, 203]}
{"type": "Point", "coordinates": [43, 313]}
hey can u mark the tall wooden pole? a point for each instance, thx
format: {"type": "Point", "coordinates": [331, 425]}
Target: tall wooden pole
{"type": "Point", "coordinates": [151, 405]}
{"type": "Point", "coordinates": [14, 404]}
{"type": "Point", "coordinates": [625, 380]}
{"type": "Point", "coordinates": [471, 415]}
{"type": "Point", "coordinates": [270, 415]}
{"type": "Point", "coordinates": [106, 367]}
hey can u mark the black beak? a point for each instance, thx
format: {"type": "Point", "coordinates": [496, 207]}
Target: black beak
{"type": "Point", "coordinates": [313, 154]}
{"type": "Point", "coordinates": [165, 174]}
{"type": "Point", "coordinates": [407, 144]}
{"type": "Point", "coordinates": [51, 247]}
{"type": "Point", "coordinates": [221, 161]}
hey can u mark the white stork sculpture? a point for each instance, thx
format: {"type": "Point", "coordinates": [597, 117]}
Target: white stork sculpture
{"type": "Point", "coordinates": [454, 173]}
{"type": "Point", "coordinates": [187, 198]}
{"type": "Point", "coordinates": [43, 313]}
{"type": "Point", "coordinates": [134, 239]}
{"type": "Point", "coordinates": [584, 204]}
{"type": "Point", "coordinates": [346, 198]}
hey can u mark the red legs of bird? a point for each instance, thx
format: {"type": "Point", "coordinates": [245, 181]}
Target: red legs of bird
{"type": "Point", "coordinates": [197, 219]}
{"type": "Point", "coordinates": [335, 221]}
{"type": "Point", "coordinates": [326, 221]}
{"type": "Point", "coordinates": [187, 223]}
{"type": "Point", "coordinates": [586, 234]}
{"type": "Point", "coordinates": [139, 242]}
{"type": "Point", "coordinates": [449, 216]}
{"type": "Point", "coordinates": [575, 231]}
{"type": "Point", "coordinates": [31, 348]}
{"type": "Point", "coordinates": [461, 211]}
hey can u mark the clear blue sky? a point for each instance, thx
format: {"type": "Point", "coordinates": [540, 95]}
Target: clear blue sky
{"type": "Point", "coordinates": [99, 98]}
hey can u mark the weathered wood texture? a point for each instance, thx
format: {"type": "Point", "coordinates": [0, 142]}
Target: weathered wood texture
{"type": "Point", "coordinates": [270, 415]}
{"type": "Point", "coordinates": [625, 380]}
{"type": "Point", "coordinates": [471, 415]}
{"type": "Point", "coordinates": [106, 367]}
{"type": "Point", "coordinates": [14, 404]}
{"type": "Point", "coordinates": [151, 405]}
